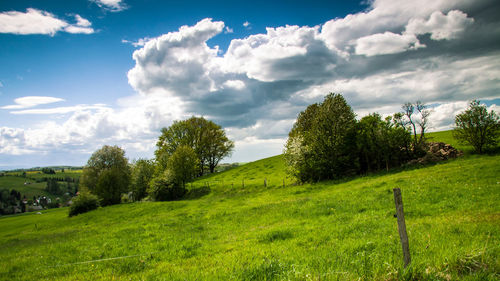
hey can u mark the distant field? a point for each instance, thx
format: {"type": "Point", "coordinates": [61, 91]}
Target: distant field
{"type": "Point", "coordinates": [17, 183]}
{"type": "Point", "coordinates": [75, 174]}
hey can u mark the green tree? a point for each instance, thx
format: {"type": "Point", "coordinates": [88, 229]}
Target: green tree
{"type": "Point", "coordinates": [477, 127]}
{"type": "Point", "coordinates": [142, 174]}
{"type": "Point", "coordinates": [322, 143]}
{"type": "Point", "coordinates": [164, 188]}
{"type": "Point", "coordinates": [183, 165]}
{"type": "Point", "coordinates": [207, 139]}
{"type": "Point", "coordinates": [381, 143]}
{"type": "Point", "coordinates": [53, 187]}
{"type": "Point", "coordinates": [107, 174]}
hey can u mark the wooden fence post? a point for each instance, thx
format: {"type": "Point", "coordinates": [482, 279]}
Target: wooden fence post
{"type": "Point", "coordinates": [398, 200]}
{"type": "Point", "coordinates": [265, 182]}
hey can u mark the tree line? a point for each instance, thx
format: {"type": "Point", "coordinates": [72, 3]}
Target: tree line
{"type": "Point", "coordinates": [325, 142]}
{"type": "Point", "coordinates": [328, 142]}
{"type": "Point", "coordinates": [185, 150]}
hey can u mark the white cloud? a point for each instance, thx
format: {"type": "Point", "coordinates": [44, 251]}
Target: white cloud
{"type": "Point", "coordinates": [236, 84]}
{"type": "Point", "coordinates": [386, 43]}
{"type": "Point", "coordinates": [228, 30]}
{"type": "Point", "coordinates": [259, 85]}
{"type": "Point", "coordinates": [139, 43]}
{"type": "Point", "coordinates": [111, 5]}
{"type": "Point", "coordinates": [39, 22]}
{"type": "Point", "coordinates": [82, 22]}
{"type": "Point", "coordinates": [31, 101]}
{"type": "Point", "coordinates": [441, 26]}
{"type": "Point", "coordinates": [246, 24]}
{"type": "Point", "coordinates": [58, 110]}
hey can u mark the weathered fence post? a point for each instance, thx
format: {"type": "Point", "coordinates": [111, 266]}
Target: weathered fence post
{"type": "Point", "coordinates": [265, 182]}
{"type": "Point", "coordinates": [398, 200]}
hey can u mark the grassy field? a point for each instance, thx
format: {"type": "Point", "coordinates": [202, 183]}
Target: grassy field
{"type": "Point", "coordinates": [341, 230]}
{"type": "Point", "coordinates": [17, 183]}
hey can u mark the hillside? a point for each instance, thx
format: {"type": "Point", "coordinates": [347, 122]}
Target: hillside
{"type": "Point", "coordinates": [328, 231]}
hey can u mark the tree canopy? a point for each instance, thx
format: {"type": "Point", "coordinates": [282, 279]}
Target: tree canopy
{"type": "Point", "coordinates": [477, 127]}
{"type": "Point", "coordinates": [327, 142]}
{"type": "Point", "coordinates": [107, 174]}
{"type": "Point", "coordinates": [207, 139]}
{"type": "Point", "coordinates": [321, 142]}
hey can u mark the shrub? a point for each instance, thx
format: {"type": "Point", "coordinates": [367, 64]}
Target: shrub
{"type": "Point", "coordinates": [83, 203]}
{"type": "Point", "coordinates": [163, 188]}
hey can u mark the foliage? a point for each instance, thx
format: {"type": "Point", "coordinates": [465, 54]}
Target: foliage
{"type": "Point", "coordinates": [477, 127]}
{"type": "Point", "coordinates": [326, 141]}
{"type": "Point", "coordinates": [322, 143]}
{"type": "Point", "coordinates": [142, 174]}
{"type": "Point", "coordinates": [48, 171]}
{"type": "Point", "coordinates": [84, 202]}
{"type": "Point", "coordinates": [381, 144]}
{"type": "Point", "coordinates": [110, 186]}
{"type": "Point", "coordinates": [107, 174]}
{"type": "Point", "coordinates": [53, 187]}
{"type": "Point", "coordinates": [164, 188]}
{"type": "Point", "coordinates": [183, 165]}
{"type": "Point", "coordinates": [207, 139]}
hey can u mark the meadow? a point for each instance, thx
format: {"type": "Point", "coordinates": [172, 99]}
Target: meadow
{"type": "Point", "coordinates": [336, 230]}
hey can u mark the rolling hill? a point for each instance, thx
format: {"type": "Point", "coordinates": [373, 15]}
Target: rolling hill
{"type": "Point", "coordinates": [342, 230]}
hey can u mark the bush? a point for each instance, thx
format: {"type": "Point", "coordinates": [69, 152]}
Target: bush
{"type": "Point", "coordinates": [162, 188]}
{"type": "Point", "coordinates": [83, 203]}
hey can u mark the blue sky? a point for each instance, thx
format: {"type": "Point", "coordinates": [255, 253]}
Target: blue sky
{"type": "Point", "coordinates": [76, 75]}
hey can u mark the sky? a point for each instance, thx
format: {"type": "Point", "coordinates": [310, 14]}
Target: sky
{"type": "Point", "coordinates": [77, 75]}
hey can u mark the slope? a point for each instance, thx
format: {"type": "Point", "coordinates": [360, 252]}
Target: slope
{"type": "Point", "coordinates": [326, 231]}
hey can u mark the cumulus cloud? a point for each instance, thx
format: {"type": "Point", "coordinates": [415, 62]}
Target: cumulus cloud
{"type": "Point", "coordinates": [31, 101]}
{"type": "Point", "coordinates": [40, 22]}
{"type": "Point", "coordinates": [386, 43]}
{"type": "Point", "coordinates": [111, 5]}
{"type": "Point", "coordinates": [440, 26]}
{"type": "Point", "coordinates": [443, 53]}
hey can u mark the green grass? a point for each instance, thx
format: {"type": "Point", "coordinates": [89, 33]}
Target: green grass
{"type": "Point", "coordinates": [17, 183]}
{"type": "Point", "coordinates": [447, 137]}
{"type": "Point", "coordinates": [343, 230]}
{"type": "Point", "coordinates": [326, 231]}
{"type": "Point", "coordinates": [271, 170]}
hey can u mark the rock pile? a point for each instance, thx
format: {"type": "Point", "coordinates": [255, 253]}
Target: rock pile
{"type": "Point", "coordinates": [437, 151]}
{"type": "Point", "coordinates": [443, 151]}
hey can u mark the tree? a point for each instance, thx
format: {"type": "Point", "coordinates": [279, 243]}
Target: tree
{"type": "Point", "coordinates": [164, 188]}
{"type": "Point", "coordinates": [183, 165]}
{"type": "Point", "coordinates": [420, 118]}
{"type": "Point", "coordinates": [107, 174]}
{"type": "Point", "coordinates": [322, 143]}
{"type": "Point", "coordinates": [381, 144]}
{"type": "Point", "coordinates": [207, 139]}
{"type": "Point", "coordinates": [53, 187]}
{"type": "Point", "coordinates": [477, 127]}
{"type": "Point", "coordinates": [142, 174]}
